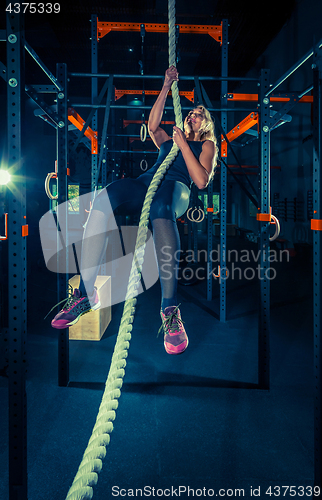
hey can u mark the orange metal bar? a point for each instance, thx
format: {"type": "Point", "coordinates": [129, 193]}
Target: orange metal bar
{"type": "Point", "coordinates": [316, 224]}
{"type": "Point", "coordinates": [120, 93]}
{"type": "Point", "coordinates": [78, 121]}
{"type": "Point", "coordinates": [265, 217]}
{"type": "Point", "coordinates": [24, 230]}
{"type": "Point", "coordinates": [215, 31]}
{"type": "Point", "coordinates": [245, 124]}
{"type": "Point", "coordinates": [274, 98]}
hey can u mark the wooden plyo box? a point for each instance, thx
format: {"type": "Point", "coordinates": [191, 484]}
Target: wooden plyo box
{"type": "Point", "coordinates": [92, 325]}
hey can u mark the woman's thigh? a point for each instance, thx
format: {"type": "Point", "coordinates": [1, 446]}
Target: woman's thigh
{"type": "Point", "coordinates": [126, 197]}
{"type": "Point", "coordinates": [122, 197]}
{"type": "Point", "coordinates": [170, 201]}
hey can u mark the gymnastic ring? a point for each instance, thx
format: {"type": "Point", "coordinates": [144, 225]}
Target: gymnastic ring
{"type": "Point", "coordinates": [143, 132]}
{"type": "Point", "coordinates": [145, 163]}
{"type": "Point", "coordinates": [201, 214]}
{"type": "Point", "coordinates": [50, 176]}
{"type": "Point", "coordinates": [277, 228]}
{"type": "Point", "coordinates": [188, 216]}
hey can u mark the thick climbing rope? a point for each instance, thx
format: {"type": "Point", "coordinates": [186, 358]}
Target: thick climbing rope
{"type": "Point", "coordinates": [91, 464]}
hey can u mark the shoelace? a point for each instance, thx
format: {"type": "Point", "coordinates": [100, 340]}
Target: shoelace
{"type": "Point", "coordinates": [69, 302]}
{"type": "Point", "coordinates": [171, 322]}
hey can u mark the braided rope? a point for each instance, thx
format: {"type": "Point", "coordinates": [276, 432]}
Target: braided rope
{"type": "Point", "coordinates": [91, 464]}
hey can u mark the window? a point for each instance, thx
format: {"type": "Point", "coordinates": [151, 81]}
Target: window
{"type": "Point", "coordinates": [215, 200]}
{"type": "Point", "coordinates": [73, 197]}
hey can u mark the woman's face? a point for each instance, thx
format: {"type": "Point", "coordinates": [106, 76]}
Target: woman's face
{"type": "Point", "coordinates": [195, 119]}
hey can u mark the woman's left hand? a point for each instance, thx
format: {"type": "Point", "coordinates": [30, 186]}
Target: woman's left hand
{"type": "Point", "coordinates": [179, 137]}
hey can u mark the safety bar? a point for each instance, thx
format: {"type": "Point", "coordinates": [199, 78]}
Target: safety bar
{"type": "Point", "coordinates": [293, 69]}
{"type": "Point", "coordinates": [36, 58]}
{"type": "Point", "coordinates": [157, 77]}
{"type": "Point", "coordinates": [123, 106]}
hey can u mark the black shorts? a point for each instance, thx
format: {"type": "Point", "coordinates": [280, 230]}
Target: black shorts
{"type": "Point", "coordinates": [126, 197]}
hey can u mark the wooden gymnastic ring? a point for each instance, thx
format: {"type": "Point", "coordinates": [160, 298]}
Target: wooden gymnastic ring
{"type": "Point", "coordinates": [51, 175]}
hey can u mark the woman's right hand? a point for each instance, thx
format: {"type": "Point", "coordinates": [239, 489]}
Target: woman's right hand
{"type": "Point", "coordinates": [171, 75]}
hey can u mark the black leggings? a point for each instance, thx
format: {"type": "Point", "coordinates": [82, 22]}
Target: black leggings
{"type": "Point", "coordinates": [126, 197]}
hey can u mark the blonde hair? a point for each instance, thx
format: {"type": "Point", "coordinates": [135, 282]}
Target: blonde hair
{"type": "Point", "coordinates": [207, 132]}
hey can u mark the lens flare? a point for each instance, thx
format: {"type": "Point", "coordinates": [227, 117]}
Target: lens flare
{"type": "Point", "coordinates": [4, 177]}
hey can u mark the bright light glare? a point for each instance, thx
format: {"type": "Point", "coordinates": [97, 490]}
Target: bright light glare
{"type": "Point", "coordinates": [4, 177]}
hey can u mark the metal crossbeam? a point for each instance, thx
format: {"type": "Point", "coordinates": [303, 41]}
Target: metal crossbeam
{"type": "Point", "coordinates": [47, 110]}
{"type": "Point", "coordinates": [121, 92]}
{"type": "Point", "coordinates": [215, 31]}
{"type": "Point", "coordinates": [80, 124]}
{"type": "Point", "coordinates": [273, 98]}
{"type": "Point", "coordinates": [242, 127]}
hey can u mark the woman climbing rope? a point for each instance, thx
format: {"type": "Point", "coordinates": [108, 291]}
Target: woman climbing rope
{"type": "Point", "coordinates": [195, 162]}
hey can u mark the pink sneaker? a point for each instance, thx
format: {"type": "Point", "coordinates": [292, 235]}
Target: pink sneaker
{"type": "Point", "coordinates": [75, 306]}
{"type": "Point", "coordinates": [175, 337]}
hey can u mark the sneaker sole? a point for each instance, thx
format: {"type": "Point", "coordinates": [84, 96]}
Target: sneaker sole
{"type": "Point", "coordinates": [78, 317]}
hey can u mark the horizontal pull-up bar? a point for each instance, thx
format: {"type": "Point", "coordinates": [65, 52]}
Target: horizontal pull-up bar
{"type": "Point", "coordinates": [156, 77]}
{"type": "Point", "coordinates": [103, 28]}
{"type": "Point", "coordinates": [123, 106]}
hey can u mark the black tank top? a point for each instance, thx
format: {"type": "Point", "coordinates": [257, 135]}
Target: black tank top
{"type": "Point", "coordinates": [178, 170]}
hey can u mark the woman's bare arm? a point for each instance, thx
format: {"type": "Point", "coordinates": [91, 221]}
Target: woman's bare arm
{"type": "Point", "coordinates": [157, 134]}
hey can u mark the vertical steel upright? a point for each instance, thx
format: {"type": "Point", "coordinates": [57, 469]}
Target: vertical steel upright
{"type": "Point", "coordinates": [17, 276]}
{"type": "Point", "coordinates": [223, 177]}
{"type": "Point", "coordinates": [94, 69]}
{"type": "Point", "coordinates": [62, 217]}
{"type": "Point", "coordinates": [210, 211]}
{"type": "Point", "coordinates": [264, 229]}
{"type": "Point", "coordinates": [113, 146]}
{"type": "Point", "coordinates": [316, 226]}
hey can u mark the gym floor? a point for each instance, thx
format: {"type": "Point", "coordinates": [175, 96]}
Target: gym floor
{"type": "Point", "coordinates": [195, 421]}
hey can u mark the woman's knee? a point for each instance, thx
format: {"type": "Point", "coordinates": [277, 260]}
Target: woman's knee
{"type": "Point", "coordinates": [170, 202]}
{"type": "Point", "coordinates": [161, 210]}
